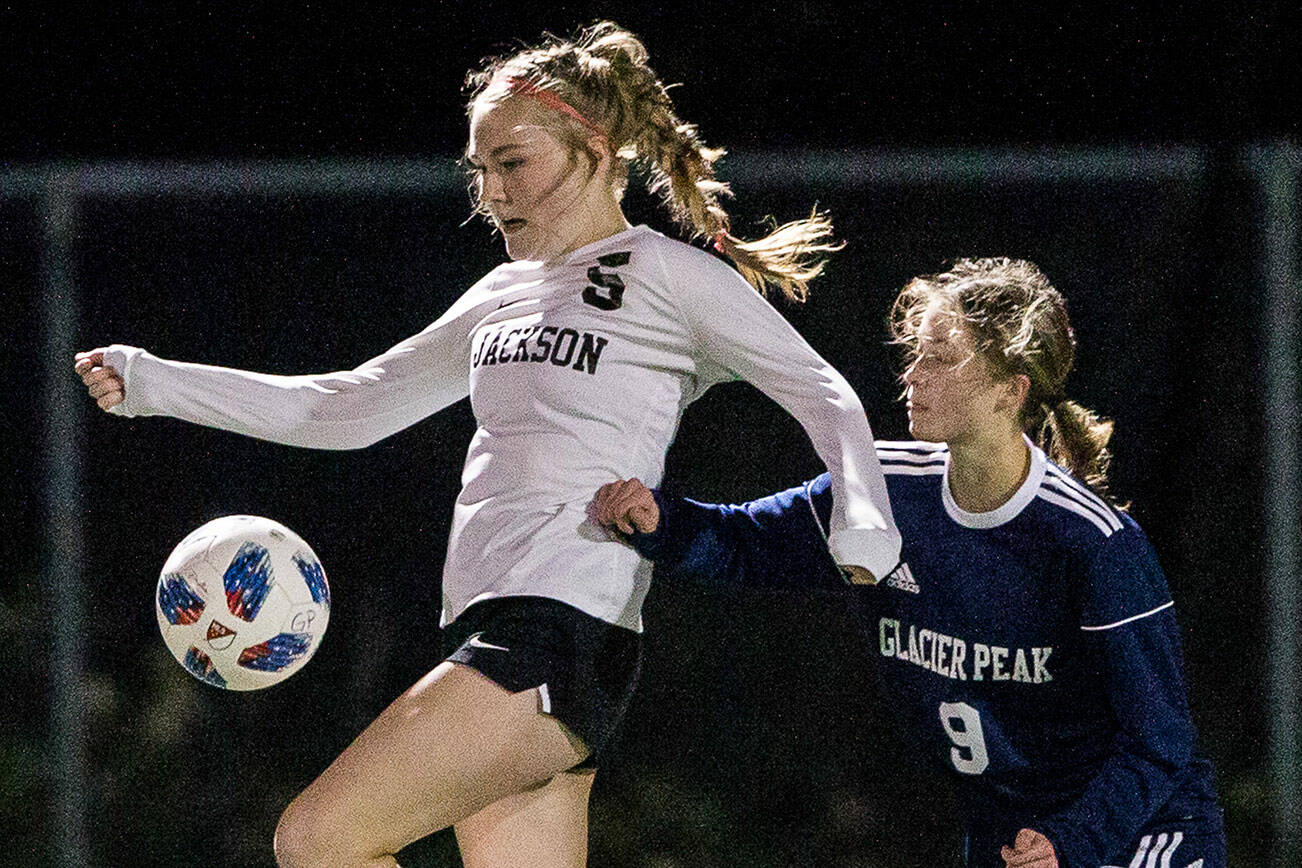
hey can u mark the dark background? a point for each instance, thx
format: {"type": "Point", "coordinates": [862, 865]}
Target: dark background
{"type": "Point", "coordinates": [754, 739]}
{"type": "Point", "coordinates": [241, 79]}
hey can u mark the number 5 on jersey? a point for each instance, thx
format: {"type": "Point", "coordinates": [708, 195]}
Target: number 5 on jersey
{"type": "Point", "coordinates": [613, 297]}
{"type": "Point", "coordinates": [962, 724]}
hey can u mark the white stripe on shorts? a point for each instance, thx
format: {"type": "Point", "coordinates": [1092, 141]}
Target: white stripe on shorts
{"type": "Point", "coordinates": [1138, 861]}
{"type": "Point", "coordinates": [1158, 846]}
{"type": "Point", "coordinates": [1170, 851]}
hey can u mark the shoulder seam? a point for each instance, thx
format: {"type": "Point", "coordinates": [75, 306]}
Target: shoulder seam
{"type": "Point", "coordinates": [1081, 493]}
{"type": "Point", "coordinates": [1062, 501]}
{"type": "Point", "coordinates": [671, 283]}
{"type": "Point", "coordinates": [1168, 604]}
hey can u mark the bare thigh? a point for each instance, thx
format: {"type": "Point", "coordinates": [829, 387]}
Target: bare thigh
{"type": "Point", "coordinates": [545, 827]}
{"type": "Point", "coordinates": [447, 748]}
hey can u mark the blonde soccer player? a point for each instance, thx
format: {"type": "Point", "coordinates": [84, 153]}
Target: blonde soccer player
{"type": "Point", "coordinates": [578, 356]}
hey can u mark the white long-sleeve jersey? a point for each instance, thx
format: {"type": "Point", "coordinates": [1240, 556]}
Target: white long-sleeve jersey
{"type": "Point", "coordinates": [578, 372]}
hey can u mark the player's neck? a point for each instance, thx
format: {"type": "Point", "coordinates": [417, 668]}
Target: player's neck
{"type": "Point", "coordinates": [984, 473]}
{"type": "Point", "coordinates": [600, 218]}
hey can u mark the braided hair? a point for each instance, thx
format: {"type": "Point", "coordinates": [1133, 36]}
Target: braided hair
{"type": "Point", "coordinates": [600, 82]}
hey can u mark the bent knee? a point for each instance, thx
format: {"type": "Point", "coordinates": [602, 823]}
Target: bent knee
{"type": "Point", "coordinates": [293, 837]}
{"type": "Point", "coordinates": [306, 838]}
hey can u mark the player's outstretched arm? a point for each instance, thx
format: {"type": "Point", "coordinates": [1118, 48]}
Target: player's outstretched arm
{"type": "Point", "coordinates": [104, 383]}
{"type": "Point", "coordinates": [339, 410]}
{"type": "Point", "coordinates": [773, 542]}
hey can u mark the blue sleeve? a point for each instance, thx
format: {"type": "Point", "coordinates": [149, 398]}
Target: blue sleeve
{"type": "Point", "coordinates": [773, 542]}
{"type": "Point", "coordinates": [1140, 648]}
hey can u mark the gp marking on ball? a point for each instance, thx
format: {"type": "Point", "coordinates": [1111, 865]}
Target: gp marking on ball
{"type": "Point", "coordinates": [231, 584]}
{"type": "Point", "coordinates": [247, 579]}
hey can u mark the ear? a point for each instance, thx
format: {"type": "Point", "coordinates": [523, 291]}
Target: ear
{"type": "Point", "coordinates": [600, 146]}
{"type": "Point", "coordinates": [1017, 387]}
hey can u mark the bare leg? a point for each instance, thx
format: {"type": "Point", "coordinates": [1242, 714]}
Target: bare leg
{"type": "Point", "coordinates": [542, 828]}
{"type": "Point", "coordinates": [447, 748]}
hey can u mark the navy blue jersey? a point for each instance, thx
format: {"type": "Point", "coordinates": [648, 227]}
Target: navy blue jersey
{"type": "Point", "coordinates": [1032, 650]}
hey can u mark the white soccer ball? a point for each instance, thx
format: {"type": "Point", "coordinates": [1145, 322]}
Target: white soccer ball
{"type": "Point", "coordinates": [242, 602]}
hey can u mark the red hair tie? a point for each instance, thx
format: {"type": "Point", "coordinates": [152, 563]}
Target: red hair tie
{"type": "Point", "coordinates": [549, 98]}
{"type": "Point", "coordinates": [719, 239]}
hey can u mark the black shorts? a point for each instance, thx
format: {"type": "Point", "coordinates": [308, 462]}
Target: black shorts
{"type": "Point", "coordinates": [585, 669]}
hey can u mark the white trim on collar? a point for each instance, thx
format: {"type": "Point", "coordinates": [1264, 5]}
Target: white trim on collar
{"type": "Point", "coordinates": [1011, 508]}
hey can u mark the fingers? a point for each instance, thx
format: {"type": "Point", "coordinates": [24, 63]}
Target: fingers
{"type": "Point", "coordinates": [645, 514]}
{"type": "Point", "coordinates": [626, 506]}
{"type": "Point", "coordinates": [99, 386]}
{"type": "Point", "coordinates": [603, 510]}
{"type": "Point", "coordinates": [613, 506]}
{"type": "Point", "coordinates": [103, 383]}
{"type": "Point", "coordinates": [107, 390]}
{"type": "Point", "coordinates": [90, 366]}
{"type": "Point", "coordinates": [110, 400]}
{"type": "Point", "coordinates": [83, 362]}
{"type": "Point", "coordinates": [1030, 850]}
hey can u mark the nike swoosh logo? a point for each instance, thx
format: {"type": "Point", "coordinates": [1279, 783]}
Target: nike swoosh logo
{"type": "Point", "coordinates": [475, 642]}
{"type": "Point", "coordinates": [509, 303]}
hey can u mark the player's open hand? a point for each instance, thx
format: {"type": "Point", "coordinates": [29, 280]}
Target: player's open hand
{"type": "Point", "coordinates": [104, 383]}
{"type": "Point", "coordinates": [626, 506]}
{"type": "Point", "coordinates": [1030, 850]}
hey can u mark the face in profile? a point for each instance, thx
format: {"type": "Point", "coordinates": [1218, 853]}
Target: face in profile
{"type": "Point", "coordinates": [535, 189]}
{"type": "Point", "coordinates": [950, 391]}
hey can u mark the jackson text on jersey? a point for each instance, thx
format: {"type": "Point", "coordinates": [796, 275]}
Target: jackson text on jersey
{"type": "Point", "coordinates": [563, 347]}
{"type": "Point", "coordinates": [526, 340]}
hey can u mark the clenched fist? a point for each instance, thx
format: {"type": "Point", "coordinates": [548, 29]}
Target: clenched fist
{"type": "Point", "coordinates": [103, 383]}
{"type": "Point", "coordinates": [626, 506]}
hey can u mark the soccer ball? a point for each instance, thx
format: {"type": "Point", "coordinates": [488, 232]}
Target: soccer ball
{"type": "Point", "coordinates": [242, 602]}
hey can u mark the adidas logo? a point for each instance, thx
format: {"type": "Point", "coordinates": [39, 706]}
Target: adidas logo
{"type": "Point", "coordinates": [901, 578]}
